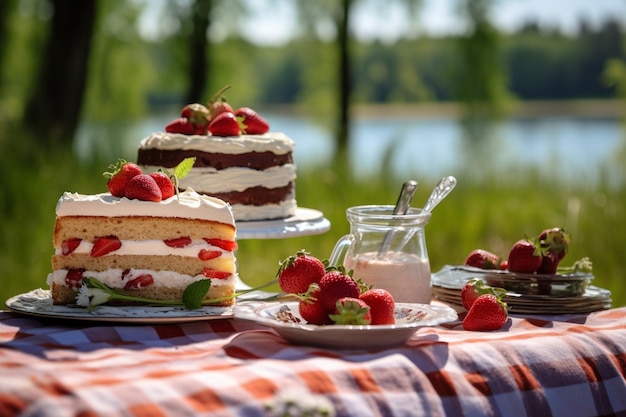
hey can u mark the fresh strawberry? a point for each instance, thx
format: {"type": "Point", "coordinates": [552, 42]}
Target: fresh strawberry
{"type": "Point", "coordinates": [212, 273]}
{"type": "Point", "coordinates": [143, 187]}
{"type": "Point", "coordinates": [486, 314]}
{"type": "Point", "coordinates": [105, 245]}
{"type": "Point", "coordinates": [474, 288]}
{"type": "Point", "coordinates": [69, 245]}
{"type": "Point", "coordinates": [297, 272]}
{"type": "Point", "coordinates": [207, 255]}
{"type": "Point", "coordinates": [336, 284]}
{"type": "Point", "coordinates": [119, 176]}
{"type": "Point", "coordinates": [311, 309]}
{"type": "Point", "coordinates": [219, 108]}
{"type": "Point", "coordinates": [554, 243]}
{"type": "Point", "coordinates": [198, 116]}
{"type": "Point", "coordinates": [227, 245]}
{"type": "Point", "coordinates": [179, 242]}
{"type": "Point", "coordinates": [353, 311]}
{"type": "Point", "coordinates": [504, 264]}
{"type": "Point", "coordinates": [182, 126]}
{"type": "Point", "coordinates": [470, 292]}
{"type": "Point", "coordinates": [480, 258]}
{"type": "Point", "coordinates": [165, 184]}
{"type": "Point", "coordinates": [218, 104]}
{"type": "Point", "coordinates": [382, 305]}
{"type": "Point", "coordinates": [524, 257]}
{"type": "Point", "coordinates": [253, 124]}
{"type": "Point", "coordinates": [74, 278]}
{"type": "Point", "coordinates": [225, 124]}
{"type": "Point", "coordinates": [142, 281]}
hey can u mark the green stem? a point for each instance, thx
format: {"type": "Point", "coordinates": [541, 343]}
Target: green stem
{"type": "Point", "coordinates": [237, 294]}
{"type": "Point", "coordinates": [116, 295]}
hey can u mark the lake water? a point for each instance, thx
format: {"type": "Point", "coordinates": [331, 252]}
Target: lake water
{"type": "Point", "coordinates": [580, 149]}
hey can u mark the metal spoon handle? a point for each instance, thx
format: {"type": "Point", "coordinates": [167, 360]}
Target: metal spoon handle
{"type": "Point", "coordinates": [402, 206]}
{"type": "Point", "coordinates": [441, 190]}
{"type": "Point", "coordinates": [405, 197]}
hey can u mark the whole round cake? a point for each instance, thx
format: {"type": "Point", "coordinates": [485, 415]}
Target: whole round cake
{"type": "Point", "coordinates": [254, 173]}
{"type": "Point", "coordinates": [237, 158]}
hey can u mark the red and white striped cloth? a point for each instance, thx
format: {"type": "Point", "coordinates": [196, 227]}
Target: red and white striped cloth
{"type": "Point", "coordinates": [572, 365]}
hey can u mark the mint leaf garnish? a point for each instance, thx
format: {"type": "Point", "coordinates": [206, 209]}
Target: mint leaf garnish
{"type": "Point", "coordinates": [195, 292]}
{"type": "Point", "coordinates": [184, 167]}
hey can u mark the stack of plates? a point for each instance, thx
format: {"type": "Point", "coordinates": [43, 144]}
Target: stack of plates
{"type": "Point", "coordinates": [536, 294]}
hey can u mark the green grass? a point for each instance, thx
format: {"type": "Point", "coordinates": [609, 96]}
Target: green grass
{"type": "Point", "coordinates": [490, 214]}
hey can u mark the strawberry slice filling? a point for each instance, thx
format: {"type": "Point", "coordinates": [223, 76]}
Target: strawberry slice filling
{"type": "Point", "coordinates": [68, 246]}
{"type": "Point", "coordinates": [74, 278]}
{"type": "Point", "coordinates": [227, 245]}
{"type": "Point", "coordinates": [142, 281]}
{"type": "Point", "coordinates": [105, 245]}
{"type": "Point", "coordinates": [207, 255]}
{"type": "Point", "coordinates": [212, 273]}
{"type": "Point", "coordinates": [179, 242]}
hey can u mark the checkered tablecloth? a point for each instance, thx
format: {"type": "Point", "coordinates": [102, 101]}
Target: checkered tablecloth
{"type": "Point", "coordinates": [572, 365]}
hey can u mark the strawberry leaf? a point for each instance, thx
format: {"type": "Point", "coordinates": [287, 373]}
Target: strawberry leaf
{"type": "Point", "coordinates": [195, 292]}
{"type": "Point", "coordinates": [583, 265]}
{"type": "Point", "coordinates": [114, 168]}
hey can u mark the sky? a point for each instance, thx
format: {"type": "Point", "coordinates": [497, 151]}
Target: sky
{"type": "Point", "coordinates": [274, 22]}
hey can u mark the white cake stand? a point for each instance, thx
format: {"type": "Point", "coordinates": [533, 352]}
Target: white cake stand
{"type": "Point", "coordinates": [304, 222]}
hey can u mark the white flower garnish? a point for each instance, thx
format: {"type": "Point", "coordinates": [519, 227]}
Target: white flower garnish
{"type": "Point", "coordinates": [91, 297]}
{"type": "Point", "coordinates": [99, 296]}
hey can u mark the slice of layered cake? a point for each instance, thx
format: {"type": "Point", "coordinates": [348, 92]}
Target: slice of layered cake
{"type": "Point", "coordinates": [151, 249]}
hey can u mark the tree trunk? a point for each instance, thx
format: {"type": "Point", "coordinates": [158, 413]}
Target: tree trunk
{"type": "Point", "coordinates": [198, 62]}
{"type": "Point", "coordinates": [6, 10]}
{"type": "Point", "coordinates": [53, 110]}
{"type": "Point", "coordinates": [345, 83]}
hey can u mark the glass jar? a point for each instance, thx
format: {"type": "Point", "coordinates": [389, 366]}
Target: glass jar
{"type": "Point", "coordinates": [388, 251]}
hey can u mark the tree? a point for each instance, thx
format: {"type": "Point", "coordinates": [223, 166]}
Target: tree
{"type": "Point", "coordinates": [339, 15]}
{"type": "Point", "coordinates": [54, 107]}
{"type": "Point", "coordinates": [6, 9]}
{"type": "Point", "coordinates": [481, 76]}
{"type": "Point", "coordinates": [345, 80]}
{"type": "Point", "coordinates": [199, 65]}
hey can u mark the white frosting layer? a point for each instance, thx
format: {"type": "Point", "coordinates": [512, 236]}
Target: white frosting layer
{"type": "Point", "coordinates": [154, 248]}
{"type": "Point", "coordinates": [163, 279]}
{"type": "Point", "coordinates": [190, 205]}
{"type": "Point", "coordinates": [271, 211]}
{"type": "Point", "coordinates": [210, 180]}
{"type": "Point", "coordinates": [275, 142]}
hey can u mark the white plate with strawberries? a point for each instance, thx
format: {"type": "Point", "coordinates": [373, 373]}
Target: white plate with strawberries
{"type": "Point", "coordinates": [285, 319]}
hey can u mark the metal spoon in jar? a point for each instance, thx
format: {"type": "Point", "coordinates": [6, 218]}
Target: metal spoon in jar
{"type": "Point", "coordinates": [402, 206]}
{"type": "Point", "coordinates": [441, 190]}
